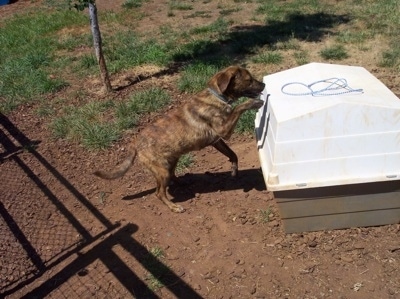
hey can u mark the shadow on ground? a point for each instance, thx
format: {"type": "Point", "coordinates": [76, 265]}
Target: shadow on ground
{"type": "Point", "coordinates": [190, 185]}
{"type": "Point", "coordinates": [46, 250]}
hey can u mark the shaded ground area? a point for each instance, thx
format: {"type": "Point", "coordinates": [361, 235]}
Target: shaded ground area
{"type": "Point", "coordinates": [66, 234]}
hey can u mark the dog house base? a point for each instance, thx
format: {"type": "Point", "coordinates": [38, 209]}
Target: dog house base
{"type": "Point", "coordinates": [338, 207]}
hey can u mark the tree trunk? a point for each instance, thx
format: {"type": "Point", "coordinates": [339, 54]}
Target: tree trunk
{"type": "Point", "coordinates": [94, 24]}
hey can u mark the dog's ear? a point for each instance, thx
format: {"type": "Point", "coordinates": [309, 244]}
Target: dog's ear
{"type": "Point", "coordinates": [223, 81]}
{"type": "Point", "coordinates": [220, 81]}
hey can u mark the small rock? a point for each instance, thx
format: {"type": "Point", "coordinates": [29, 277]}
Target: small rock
{"type": "Point", "coordinates": [239, 262]}
{"type": "Point", "coordinates": [312, 244]}
{"type": "Point", "coordinates": [346, 259]}
{"type": "Point", "coordinates": [214, 280]}
{"type": "Point", "coordinates": [208, 275]}
{"type": "Point", "coordinates": [358, 246]}
{"type": "Point", "coordinates": [274, 223]}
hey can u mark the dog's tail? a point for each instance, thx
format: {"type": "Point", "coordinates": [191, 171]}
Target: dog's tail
{"type": "Point", "coordinates": [120, 170]}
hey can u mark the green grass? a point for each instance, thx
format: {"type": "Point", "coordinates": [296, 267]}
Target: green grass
{"type": "Point", "coordinates": [90, 124]}
{"type": "Point", "coordinates": [156, 270]}
{"type": "Point", "coordinates": [246, 121]}
{"type": "Point", "coordinates": [125, 49]}
{"type": "Point", "coordinates": [200, 14]}
{"type": "Point", "coordinates": [217, 27]}
{"type": "Point", "coordinates": [179, 5]}
{"type": "Point", "coordinates": [336, 52]}
{"type": "Point", "coordinates": [27, 46]}
{"type": "Point", "coordinates": [269, 57]}
{"type": "Point", "coordinates": [148, 100]}
{"type": "Point", "coordinates": [301, 57]}
{"type": "Point", "coordinates": [391, 57]}
{"type": "Point", "coordinates": [184, 163]}
{"type": "Point", "coordinates": [195, 77]}
{"type": "Point", "coordinates": [86, 125]}
{"type": "Point", "coordinates": [129, 4]}
{"type": "Point", "coordinates": [228, 11]}
{"type": "Point", "coordinates": [265, 215]}
{"type": "Point", "coordinates": [351, 37]}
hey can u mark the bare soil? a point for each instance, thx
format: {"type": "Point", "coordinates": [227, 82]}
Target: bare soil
{"type": "Point", "coordinates": [66, 234]}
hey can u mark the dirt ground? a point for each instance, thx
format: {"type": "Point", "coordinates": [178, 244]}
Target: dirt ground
{"type": "Point", "coordinates": [66, 234]}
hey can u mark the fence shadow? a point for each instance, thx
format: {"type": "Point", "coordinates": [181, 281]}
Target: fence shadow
{"type": "Point", "coordinates": [29, 206]}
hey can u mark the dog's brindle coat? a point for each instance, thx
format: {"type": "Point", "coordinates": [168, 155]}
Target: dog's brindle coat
{"type": "Point", "coordinates": [206, 119]}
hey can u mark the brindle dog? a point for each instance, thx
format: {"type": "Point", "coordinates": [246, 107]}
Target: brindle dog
{"type": "Point", "coordinates": [206, 119]}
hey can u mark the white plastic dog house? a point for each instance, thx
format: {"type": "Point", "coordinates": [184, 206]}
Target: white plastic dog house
{"type": "Point", "coordinates": [329, 146]}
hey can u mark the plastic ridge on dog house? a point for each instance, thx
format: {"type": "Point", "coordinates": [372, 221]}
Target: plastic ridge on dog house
{"type": "Point", "coordinates": [330, 152]}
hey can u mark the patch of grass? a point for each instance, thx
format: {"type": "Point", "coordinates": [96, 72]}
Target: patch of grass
{"type": "Point", "coordinates": [88, 61]}
{"type": "Point", "coordinates": [98, 135]}
{"type": "Point", "coordinates": [246, 120]}
{"type": "Point", "coordinates": [265, 215]}
{"type": "Point", "coordinates": [200, 14]}
{"type": "Point", "coordinates": [90, 126]}
{"type": "Point", "coordinates": [228, 11]}
{"type": "Point", "coordinates": [381, 17]}
{"type": "Point", "coordinates": [149, 100]}
{"type": "Point", "coordinates": [335, 52]}
{"type": "Point", "coordinates": [30, 147]}
{"type": "Point", "coordinates": [184, 163]}
{"type": "Point", "coordinates": [155, 268]}
{"type": "Point", "coordinates": [273, 11]}
{"type": "Point", "coordinates": [196, 49]}
{"type": "Point", "coordinates": [125, 49]}
{"type": "Point", "coordinates": [269, 57]}
{"type": "Point", "coordinates": [129, 4]}
{"type": "Point", "coordinates": [218, 28]}
{"type": "Point", "coordinates": [86, 125]}
{"type": "Point", "coordinates": [60, 127]}
{"type": "Point", "coordinates": [71, 42]}
{"type": "Point", "coordinates": [57, 4]}
{"type": "Point", "coordinates": [179, 5]}
{"type": "Point", "coordinates": [290, 44]}
{"type": "Point", "coordinates": [301, 57]}
{"type": "Point", "coordinates": [44, 111]}
{"type": "Point", "coordinates": [126, 117]}
{"type": "Point", "coordinates": [352, 37]}
{"type": "Point", "coordinates": [26, 60]}
{"type": "Point", "coordinates": [102, 197]}
{"type": "Point", "coordinates": [391, 57]}
{"type": "Point", "coordinates": [195, 77]}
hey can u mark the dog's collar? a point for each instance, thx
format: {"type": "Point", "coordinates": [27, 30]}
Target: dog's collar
{"type": "Point", "coordinates": [220, 96]}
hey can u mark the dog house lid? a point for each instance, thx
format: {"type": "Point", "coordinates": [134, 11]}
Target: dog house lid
{"type": "Point", "coordinates": [376, 104]}
{"type": "Point", "coordinates": [345, 134]}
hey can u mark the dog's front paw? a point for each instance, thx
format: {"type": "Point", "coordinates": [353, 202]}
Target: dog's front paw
{"type": "Point", "coordinates": [256, 104]}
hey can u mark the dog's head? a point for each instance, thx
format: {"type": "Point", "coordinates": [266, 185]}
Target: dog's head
{"type": "Point", "coordinates": [235, 82]}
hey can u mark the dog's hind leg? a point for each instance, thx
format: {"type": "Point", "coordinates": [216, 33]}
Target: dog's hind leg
{"type": "Point", "coordinates": [222, 147]}
{"type": "Point", "coordinates": [162, 176]}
